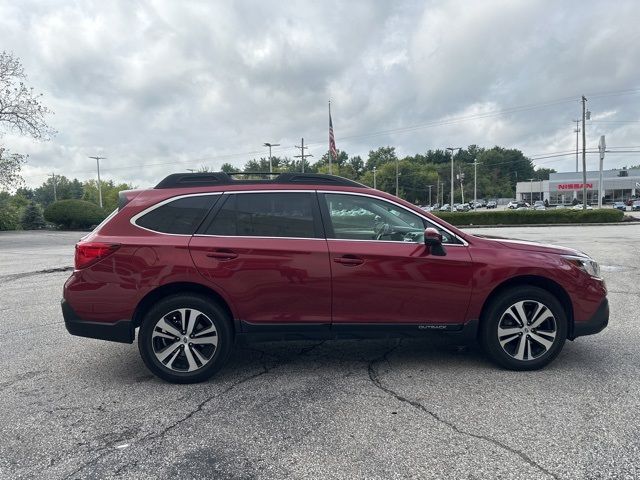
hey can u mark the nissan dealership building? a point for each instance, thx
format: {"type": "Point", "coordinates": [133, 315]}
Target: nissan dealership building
{"type": "Point", "coordinates": [561, 188]}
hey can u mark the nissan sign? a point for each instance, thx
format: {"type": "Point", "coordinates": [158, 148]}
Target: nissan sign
{"type": "Point", "coordinates": [574, 186]}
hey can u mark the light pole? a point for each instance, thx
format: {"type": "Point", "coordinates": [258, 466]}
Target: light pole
{"type": "Point", "coordinates": [430, 202]}
{"type": "Point", "coordinates": [530, 191]}
{"type": "Point", "coordinates": [452, 174]}
{"type": "Point", "coordinates": [601, 148]}
{"type": "Point", "coordinates": [475, 183]}
{"type": "Point", "coordinates": [267, 144]}
{"type": "Point", "coordinates": [97, 159]}
{"type": "Point", "coordinates": [374, 178]}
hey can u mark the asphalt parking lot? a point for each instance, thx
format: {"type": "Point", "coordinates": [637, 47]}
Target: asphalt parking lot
{"type": "Point", "coordinates": [81, 408]}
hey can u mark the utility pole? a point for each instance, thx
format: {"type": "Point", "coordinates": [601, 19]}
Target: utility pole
{"type": "Point", "coordinates": [397, 175]}
{"type": "Point", "coordinates": [97, 159]}
{"type": "Point", "coordinates": [475, 183]}
{"type": "Point", "coordinates": [452, 174]}
{"type": "Point", "coordinates": [430, 202]}
{"type": "Point", "coordinates": [584, 154]}
{"type": "Point", "coordinates": [438, 189]}
{"type": "Point", "coordinates": [302, 155]}
{"type": "Point", "coordinates": [55, 196]}
{"type": "Point", "coordinates": [267, 144]}
{"type": "Point", "coordinates": [374, 178]}
{"type": "Point", "coordinates": [577, 132]}
{"type": "Point", "coordinates": [461, 177]}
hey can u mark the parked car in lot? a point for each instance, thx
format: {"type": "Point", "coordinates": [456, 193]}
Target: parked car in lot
{"type": "Point", "coordinates": [445, 208]}
{"type": "Point", "coordinates": [579, 206]}
{"type": "Point", "coordinates": [517, 205]}
{"type": "Point", "coordinates": [492, 204]}
{"type": "Point", "coordinates": [202, 261]}
{"type": "Point", "coordinates": [635, 206]}
{"type": "Point", "coordinates": [539, 205]}
{"type": "Point", "coordinates": [620, 206]}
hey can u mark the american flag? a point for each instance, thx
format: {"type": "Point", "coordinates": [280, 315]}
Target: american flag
{"type": "Point", "coordinates": [332, 141]}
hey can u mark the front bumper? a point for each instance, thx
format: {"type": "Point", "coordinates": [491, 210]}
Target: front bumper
{"type": "Point", "coordinates": [595, 324]}
{"type": "Point", "coordinates": [121, 331]}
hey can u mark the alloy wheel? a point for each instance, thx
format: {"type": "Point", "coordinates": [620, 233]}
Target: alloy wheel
{"type": "Point", "coordinates": [184, 340]}
{"type": "Point", "coordinates": [527, 330]}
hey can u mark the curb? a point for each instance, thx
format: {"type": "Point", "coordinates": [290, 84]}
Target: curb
{"type": "Point", "coordinates": [527, 225]}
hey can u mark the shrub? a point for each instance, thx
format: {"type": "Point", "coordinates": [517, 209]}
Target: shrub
{"type": "Point", "coordinates": [32, 218]}
{"type": "Point", "coordinates": [74, 214]}
{"type": "Point", "coordinates": [524, 217]}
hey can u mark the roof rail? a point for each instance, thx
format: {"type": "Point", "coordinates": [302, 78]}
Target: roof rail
{"type": "Point", "coordinates": [202, 179]}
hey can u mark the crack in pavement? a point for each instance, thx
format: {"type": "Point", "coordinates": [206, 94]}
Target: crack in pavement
{"type": "Point", "coordinates": [108, 449]}
{"type": "Point", "coordinates": [17, 276]}
{"type": "Point", "coordinates": [374, 376]}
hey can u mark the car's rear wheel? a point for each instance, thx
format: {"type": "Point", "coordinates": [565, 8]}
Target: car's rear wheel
{"type": "Point", "coordinates": [185, 338]}
{"type": "Point", "coordinates": [524, 328]}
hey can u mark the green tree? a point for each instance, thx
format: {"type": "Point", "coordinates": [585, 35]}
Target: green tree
{"type": "Point", "coordinates": [228, 168]}
{"type": "Point", "coordinates": [381, 156]}
{"type": "Point", "coordinates": [110, 192]}
{"type": "Point", "coordinates": [32, 218]}
{"type": "Point", "coordinates": [9, 213]}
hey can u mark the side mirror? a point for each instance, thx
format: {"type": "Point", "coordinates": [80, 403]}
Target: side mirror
{"type": "Point", "coordinates": [433, 241]}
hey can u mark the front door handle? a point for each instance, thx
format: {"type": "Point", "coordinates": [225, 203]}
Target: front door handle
{"type": "Point", "coordinates": [222, 255]}
{"type": "Point", "coordinates": [350, 260]}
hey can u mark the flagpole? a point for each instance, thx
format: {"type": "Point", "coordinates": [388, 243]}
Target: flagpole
{"type": "Point", "coordinates": [330, 155]}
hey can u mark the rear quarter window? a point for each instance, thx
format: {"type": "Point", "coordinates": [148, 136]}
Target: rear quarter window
{"type": "Point", "coordinates": [181, 216]}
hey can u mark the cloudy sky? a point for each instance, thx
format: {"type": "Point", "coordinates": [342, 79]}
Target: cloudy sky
{"type": "Point", "coordinates": [161, 86]}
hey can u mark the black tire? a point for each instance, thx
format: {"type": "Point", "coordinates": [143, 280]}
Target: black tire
{"type": "Point", "coordinates": [209, 313]}
{"type": "Point", "coordinates": [535, 355]}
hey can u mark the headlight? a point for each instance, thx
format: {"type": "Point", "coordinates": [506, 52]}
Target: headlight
{"type": "Point", "coordinates": [586, 264]}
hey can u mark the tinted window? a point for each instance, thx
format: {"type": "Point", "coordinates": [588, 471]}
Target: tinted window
{"type": "Point", "coordinates": [266, 215]}
{"type": "Point", "coordinates": [179, 216]}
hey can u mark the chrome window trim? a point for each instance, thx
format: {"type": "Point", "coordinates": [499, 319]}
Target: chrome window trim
{"type": "Point", "coordinates": [133, 219]}
{"type": "Point", "coordinates": [464, 242]}
{"type": "Point", "coordinates": [256, 236]}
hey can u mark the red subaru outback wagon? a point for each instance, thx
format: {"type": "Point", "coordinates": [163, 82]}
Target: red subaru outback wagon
{"type": "Point", "coordinates": [206, 259]}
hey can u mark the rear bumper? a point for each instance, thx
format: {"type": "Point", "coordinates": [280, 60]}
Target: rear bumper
{"type": "Point", "coordinates": [595, 324]}
{"type": "Point", "coordinates": [121, 331]}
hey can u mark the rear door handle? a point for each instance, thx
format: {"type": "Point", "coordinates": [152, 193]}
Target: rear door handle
{"type": "Point", "coordinates": [351, 261]}
{"type": "Point", "coordinates": [222, 255]}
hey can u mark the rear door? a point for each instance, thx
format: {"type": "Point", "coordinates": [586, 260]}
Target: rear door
{"type": "Point", "coordinates": [382, 271]}
{"type": "Point", "coordinates": [266, 252]}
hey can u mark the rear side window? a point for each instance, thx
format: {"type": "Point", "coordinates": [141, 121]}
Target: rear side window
{"type": "Point", "coordinates": [266, 215]}
{"type": "Point", "coordinates": [181, 216]}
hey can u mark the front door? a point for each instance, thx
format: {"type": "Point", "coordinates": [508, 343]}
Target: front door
{"type": "Point", "coordinates": [383, 273]}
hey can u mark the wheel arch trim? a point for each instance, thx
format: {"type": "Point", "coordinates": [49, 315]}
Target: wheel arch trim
{"type": "Point", "coordinates": [175, 288]}
{"type": "Point", "coordinates": [534, 281]}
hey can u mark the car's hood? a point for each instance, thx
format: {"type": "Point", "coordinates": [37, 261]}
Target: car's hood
{"type": "Point", "coordinates": [531, 246]}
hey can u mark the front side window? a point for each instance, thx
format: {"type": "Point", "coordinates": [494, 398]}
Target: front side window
{"type": "Point", "coordinates": [281, 214]}
{"type": "Point", "coordinates": [355, 217]}
{"type": "Point", "coordinates": [181, 216]}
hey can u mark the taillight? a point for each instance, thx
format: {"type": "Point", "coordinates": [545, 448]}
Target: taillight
{"type": "Point", "coordinates": [91, 252]}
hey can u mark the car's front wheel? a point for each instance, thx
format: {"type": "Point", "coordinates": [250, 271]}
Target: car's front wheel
{"type": "Point", "coordinates": [185, 338]}
{"type": "Point", "coordinates": [524, 328]}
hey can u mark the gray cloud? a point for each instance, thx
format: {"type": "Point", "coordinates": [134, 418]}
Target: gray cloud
{"type": "Point", "coordinates": [162, 86]}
